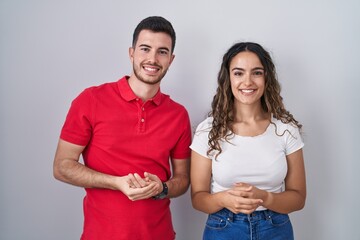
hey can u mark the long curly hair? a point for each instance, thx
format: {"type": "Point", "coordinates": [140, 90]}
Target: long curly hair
{"type": "Point", "coordinates": [223, 101]}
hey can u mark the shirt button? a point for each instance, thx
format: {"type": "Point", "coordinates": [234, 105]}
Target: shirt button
{"type": "Point", "coordinates": [143, 109]}
{"type": "Point", "coordinates": [142, 120]}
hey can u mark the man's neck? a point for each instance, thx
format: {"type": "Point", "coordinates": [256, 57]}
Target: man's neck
{"type": "Point", "coordinates": [143, 90]}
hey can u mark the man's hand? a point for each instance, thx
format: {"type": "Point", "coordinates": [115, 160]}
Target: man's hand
{"type": "Point", "coordinates": [137, 188]}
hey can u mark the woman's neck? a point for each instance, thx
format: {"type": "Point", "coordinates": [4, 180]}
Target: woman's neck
{"type": "Point", "coordinates": [249, 113]}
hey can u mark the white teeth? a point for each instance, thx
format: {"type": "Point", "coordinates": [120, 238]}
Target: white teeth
{"type": "Point", "coordinates": [247, 90]}
{"type": "Point", "coordinates": [150, 69]}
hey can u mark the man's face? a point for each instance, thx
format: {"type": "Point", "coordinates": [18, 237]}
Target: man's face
{"type": "Point", "coordinates": [151, 56]}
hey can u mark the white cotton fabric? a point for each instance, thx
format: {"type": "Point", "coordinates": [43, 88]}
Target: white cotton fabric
{"type": "Point", "coordinates": [258, 160]}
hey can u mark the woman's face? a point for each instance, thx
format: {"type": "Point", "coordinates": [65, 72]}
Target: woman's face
{"type": "Point", "coordinates": [247, 77]}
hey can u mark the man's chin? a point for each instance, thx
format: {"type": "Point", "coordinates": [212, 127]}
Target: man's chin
{"type": "Point", "coordinates": [150, 81]}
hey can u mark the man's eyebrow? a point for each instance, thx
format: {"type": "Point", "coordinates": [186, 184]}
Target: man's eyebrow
{"type": "Point", "coordinates": [165, 48]}
{"type": "Point", "coordinates": [144, 45]}
{"type": "Point", "coordinates": [161, 48]}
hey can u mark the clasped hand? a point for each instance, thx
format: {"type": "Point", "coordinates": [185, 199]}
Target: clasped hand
{"type": "Point", "coordinates": [243, 198]}
{"type": "Point", "coordinates": [137, 188]}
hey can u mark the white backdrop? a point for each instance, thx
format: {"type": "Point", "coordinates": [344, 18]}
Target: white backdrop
{"type": "Point", "coordinates": [51, 50]}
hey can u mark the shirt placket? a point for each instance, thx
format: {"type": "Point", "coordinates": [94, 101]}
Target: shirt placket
{"type": "Point", "coordinates": [142, 115]}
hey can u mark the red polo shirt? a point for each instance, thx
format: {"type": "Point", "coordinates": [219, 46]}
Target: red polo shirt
{"type": "Point", "coordinates": [123, 135]}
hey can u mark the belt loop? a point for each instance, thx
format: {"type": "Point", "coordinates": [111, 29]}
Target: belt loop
{"type": "Point", "coordinates": [230, 216]}
{"type": "Point", "coordinates": [267, 214]}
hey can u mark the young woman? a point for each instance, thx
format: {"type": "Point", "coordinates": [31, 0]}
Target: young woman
{"type": "Point", "coordinates": [247, 167]}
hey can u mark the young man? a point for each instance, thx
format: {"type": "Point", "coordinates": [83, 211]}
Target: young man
{"type": "Point", "coordinates": [127, 132]}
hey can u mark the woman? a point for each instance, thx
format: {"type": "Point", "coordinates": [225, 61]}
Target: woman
{"type": "Point", "coordinates": [247, 167]}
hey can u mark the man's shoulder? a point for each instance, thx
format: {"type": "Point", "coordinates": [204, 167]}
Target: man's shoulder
{"type": "Point", "coordinates": [171, 103]}
{"type": "Point", "coordinates": [103, 88]}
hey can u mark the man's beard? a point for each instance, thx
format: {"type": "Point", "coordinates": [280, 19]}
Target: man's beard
{"type": "Point", "coordinates": [142, 79]}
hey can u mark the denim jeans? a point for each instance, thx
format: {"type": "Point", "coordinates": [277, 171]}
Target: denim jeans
{"type": "Point", "coordinates": [260, 225]}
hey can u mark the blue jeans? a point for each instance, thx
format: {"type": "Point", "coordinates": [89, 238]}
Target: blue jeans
{"type": "Point", "coordinates": [260, 225]}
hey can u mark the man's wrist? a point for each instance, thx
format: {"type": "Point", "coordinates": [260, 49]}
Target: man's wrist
{"type": "Point", "coordinates": [164, 192]}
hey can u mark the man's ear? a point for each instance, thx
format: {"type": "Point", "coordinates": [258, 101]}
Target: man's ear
{"type": "Point", "coordinates": [172, 59]}
{"type": "Point", "coordinates": [131, 53]}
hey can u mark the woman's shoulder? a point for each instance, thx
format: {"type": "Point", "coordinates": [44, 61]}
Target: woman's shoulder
{"type": "Point", "coordinates": [281, 126]}
{"type": "Point", "coordinates": [205, 125]}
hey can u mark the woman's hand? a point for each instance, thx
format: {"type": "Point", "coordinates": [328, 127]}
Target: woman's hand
{"type": "Point", "coordinates": [243, 198]}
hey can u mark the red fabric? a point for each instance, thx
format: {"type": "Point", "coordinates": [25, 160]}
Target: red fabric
{"type": "Point", "coordinates": [125, 135]}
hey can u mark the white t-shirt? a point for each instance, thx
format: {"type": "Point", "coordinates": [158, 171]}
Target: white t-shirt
{"type": "Point", "coordinates": [259, 160]}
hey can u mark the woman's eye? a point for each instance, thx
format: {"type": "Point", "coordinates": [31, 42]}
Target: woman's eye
{"type": "Point", "coordinates": [258, 73]}
{"type": "Point", "coordinates": [238, 73]}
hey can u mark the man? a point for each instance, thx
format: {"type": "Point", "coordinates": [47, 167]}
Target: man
{"type": "Point", "coordinates": [126, 132]}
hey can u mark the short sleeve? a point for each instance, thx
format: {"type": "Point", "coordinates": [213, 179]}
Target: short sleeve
{"type": "Point", "coordinates": [294, 140]}
{"type": "Point", "coordinates": [182, 150]}
{"type": "Point", "coordinates": [201, 138]}
{"type": "Point", "coordinates": [77, 128]}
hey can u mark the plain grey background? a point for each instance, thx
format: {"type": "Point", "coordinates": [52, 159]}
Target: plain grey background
{"type": "Point", "coordinates": [51, 50]}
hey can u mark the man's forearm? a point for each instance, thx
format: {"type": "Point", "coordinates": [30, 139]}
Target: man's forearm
{"type": "Point", "coordinates": [178, 185]}
{"type": "Point", "coordinates": [77, 174]}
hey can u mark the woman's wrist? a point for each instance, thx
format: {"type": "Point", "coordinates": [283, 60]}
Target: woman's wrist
{"type": "Point", "coordinates": [267, 199]}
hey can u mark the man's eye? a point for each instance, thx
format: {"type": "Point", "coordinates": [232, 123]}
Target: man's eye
{"type": "Point", "coordinates": [145, 49]}
{"type": "Point", "coordinates": [163, 52]}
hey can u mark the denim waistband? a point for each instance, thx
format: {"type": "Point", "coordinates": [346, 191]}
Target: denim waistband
{"type": "Point", "coordinates": [255, 216]}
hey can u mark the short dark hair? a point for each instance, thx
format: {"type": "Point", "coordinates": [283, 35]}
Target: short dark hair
{"type": "Point", "coordinates": [155, 24]}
